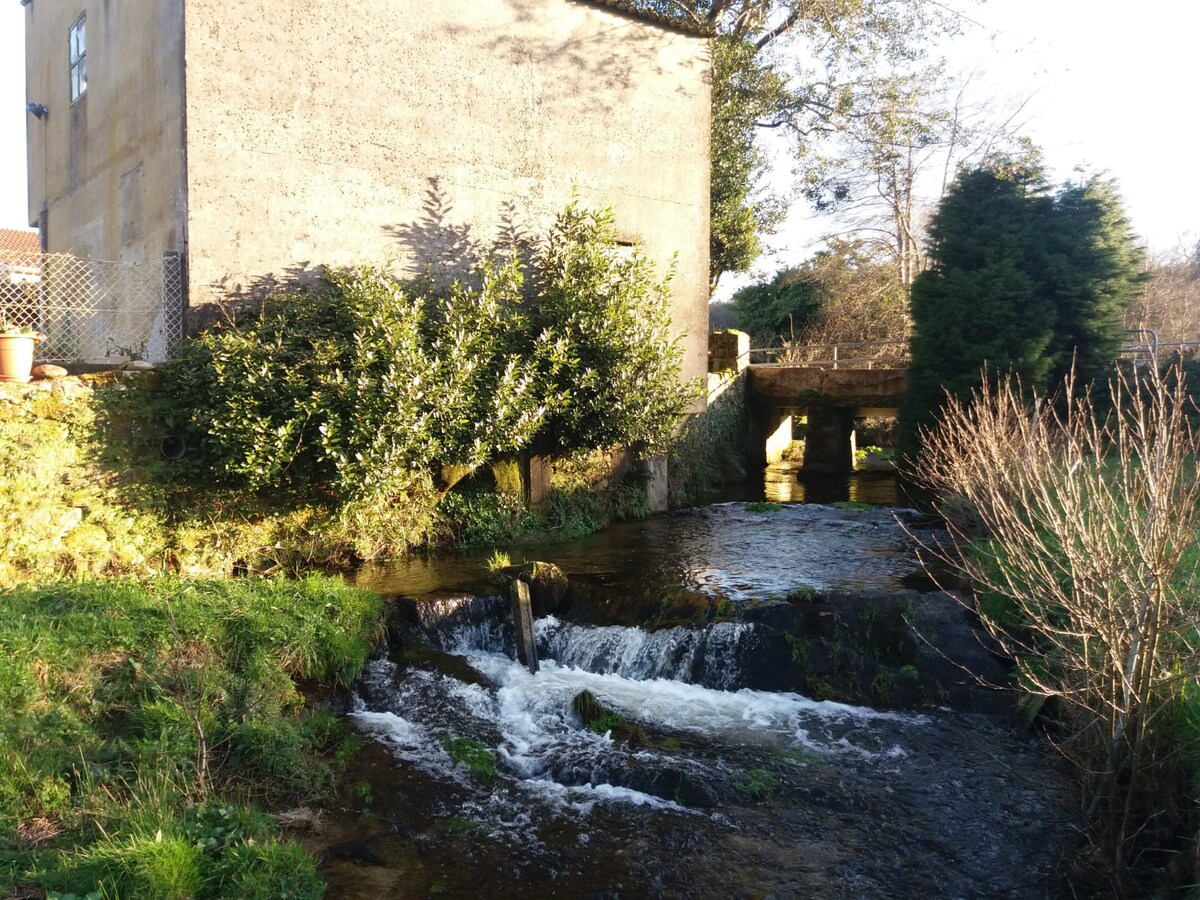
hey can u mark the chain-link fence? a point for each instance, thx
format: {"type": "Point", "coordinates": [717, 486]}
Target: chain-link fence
{"type": "Point", "coordinates": [94, 311]}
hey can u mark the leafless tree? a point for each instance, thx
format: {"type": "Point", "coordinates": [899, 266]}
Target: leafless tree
{"type": "Point", "coordinates": [1081, 519]}
{"type": "Point", "coordinates": [894, 159]}
{"type": "Point", "coordinates": [1170, 300]}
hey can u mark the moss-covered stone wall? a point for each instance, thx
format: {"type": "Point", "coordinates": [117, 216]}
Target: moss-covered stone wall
{"type": "Point", "coordinates": [711, 449]}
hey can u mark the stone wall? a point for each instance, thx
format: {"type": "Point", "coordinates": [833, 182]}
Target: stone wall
{"type": "Point", "coordinates": [711, 451]}
{"type": "Point", "coordinates": [424, 133]}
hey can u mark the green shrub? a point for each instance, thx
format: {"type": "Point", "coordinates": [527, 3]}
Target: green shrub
{"type": "Point", "coordinates": [475, 515]}
{"type": "Point", "coordinates": [617, 381]}
{"type": "Point", "coordinates": [357, 387]}
{"type": "Point", "coordinates": [368, 391]}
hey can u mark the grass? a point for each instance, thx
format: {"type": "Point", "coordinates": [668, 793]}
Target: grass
{"type": "Point", "coordinates": [498, 562]}
{"type": "Point", "coordinates": [474, 755]}
{"type": "Point", "coordinates": [759, 784]}
{"type": "Point", "coordinates": [85, 493]}
{"type": "Point", "coordinates": [143, 721]}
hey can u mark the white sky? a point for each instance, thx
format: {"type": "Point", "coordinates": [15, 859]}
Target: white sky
{"type": "Point", "coordinates": [1115, 91]}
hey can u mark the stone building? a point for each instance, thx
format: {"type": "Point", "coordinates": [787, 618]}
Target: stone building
{"type": "Point", "coordinates": [263, 140]}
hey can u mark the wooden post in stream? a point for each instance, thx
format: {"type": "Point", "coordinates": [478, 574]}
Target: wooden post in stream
{"type": "Point", "coordinates": [522, 610]}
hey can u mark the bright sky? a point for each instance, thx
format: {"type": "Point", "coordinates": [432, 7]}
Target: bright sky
{"type": "Point", "coordinates": [1112, 90]}
{"type": "Point", "coordinates": [1114, 87]}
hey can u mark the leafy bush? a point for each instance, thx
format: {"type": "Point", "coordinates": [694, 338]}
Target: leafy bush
{"type": "Point", "coordinates": [480, 516]}
{"type": "Point", "coordinates": [362, 388]}
{"type": "Point", "coordinates": [618, 382]}
{"type": "Point", "coordinates": [358, 387]}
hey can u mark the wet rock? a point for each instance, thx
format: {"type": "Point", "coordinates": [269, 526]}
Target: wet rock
{"type": "Point", "coordinates": [598, 718]}
{"type": "Point", "coordinates": [430, 659]}
{"type": "Point", "coordinates": [355, 851]}
{"type": "Point", "coordinates": [302, 819]}
{"type": "Point", "coordinates": [685, 789]}
{"type": "Point", "coordinates": [547, 584]}
{"type": "Point", "coordinates": [875, 646]}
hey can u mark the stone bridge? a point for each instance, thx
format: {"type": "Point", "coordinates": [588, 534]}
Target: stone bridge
{"type": "Point", "coordinates": [832, 399]}
{"type": "Point", "coordinates": [831, 394]}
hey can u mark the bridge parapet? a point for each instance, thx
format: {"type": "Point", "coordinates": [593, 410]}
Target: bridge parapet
{"type": "Point", "coordinates": [804, 386]}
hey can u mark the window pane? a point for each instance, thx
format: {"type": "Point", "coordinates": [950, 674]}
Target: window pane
{"type": "Point", "coordinates": [82, 75]}
{"type": "Point", "coordinates": [78, 39]}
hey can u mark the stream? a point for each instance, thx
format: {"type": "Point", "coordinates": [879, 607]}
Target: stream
{"type": "Point", "coordinates": [790, 711]}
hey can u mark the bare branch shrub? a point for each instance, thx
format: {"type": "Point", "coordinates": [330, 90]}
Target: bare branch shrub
{"type": "Point", "coordinates": [1078, 516]}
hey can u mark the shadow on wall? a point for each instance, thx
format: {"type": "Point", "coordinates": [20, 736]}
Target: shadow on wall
{"type": "Point", "coordinates": [233, 301]}
{"type": "Point", "coordinates": [434, 247]}
{"type": "Point", "coordinates": [589, 55]}
{"type": "Point", "coordinates": [438, 248]}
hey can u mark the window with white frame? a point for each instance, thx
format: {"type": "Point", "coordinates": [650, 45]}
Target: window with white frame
{"type": "Point", "coordinates": [78, 42]}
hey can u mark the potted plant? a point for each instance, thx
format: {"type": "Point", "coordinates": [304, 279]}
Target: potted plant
{"type": "Point", "coordinates": [16, 351]}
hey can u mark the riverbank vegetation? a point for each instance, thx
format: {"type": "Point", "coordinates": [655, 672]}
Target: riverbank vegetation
{"type": "Point", "coordinates": [361, 418]}
{"type": "Point", "coordinates": [1076, 521]}
{"type": "Point", "coordinates": [146, 723]}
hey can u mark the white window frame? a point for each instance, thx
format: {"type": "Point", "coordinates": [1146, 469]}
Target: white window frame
{"type": "Point", "coordinates": [77, 52]}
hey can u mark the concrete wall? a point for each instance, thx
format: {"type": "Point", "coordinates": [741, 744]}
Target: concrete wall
{"type": "Point", "coordinates": [333, 133]}
{"type": "Point", "coordinates": [108, 169]}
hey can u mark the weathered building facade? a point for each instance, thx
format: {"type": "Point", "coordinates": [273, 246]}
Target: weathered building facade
{"type": "Point", "coordinates": [265, 140]}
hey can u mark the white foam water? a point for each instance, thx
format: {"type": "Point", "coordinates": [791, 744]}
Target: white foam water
{"type": "Point", "coordinates": [672, 653]}
{"type": "Point", "coordinates": [539, 743]}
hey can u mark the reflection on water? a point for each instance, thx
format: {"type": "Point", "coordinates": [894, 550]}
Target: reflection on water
{"type": "Point", "coordinates": [691, 559]}
{"type": "Point", "coordinates": [782, 483]}
{"type": "Point", "coordinates": [715, 552]}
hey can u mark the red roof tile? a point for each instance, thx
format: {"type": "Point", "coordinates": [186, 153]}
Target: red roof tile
{"type": "Point", "coordinates": [17, 241]}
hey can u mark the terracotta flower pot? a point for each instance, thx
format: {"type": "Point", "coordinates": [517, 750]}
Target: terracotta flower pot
{"type": "Point", "coordinates": [16, 356]}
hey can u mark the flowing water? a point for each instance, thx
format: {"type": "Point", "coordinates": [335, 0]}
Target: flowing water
{"type": "Point", "coordinates": [711, 776]}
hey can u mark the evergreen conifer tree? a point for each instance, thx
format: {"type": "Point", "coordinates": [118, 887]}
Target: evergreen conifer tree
{"type": "Point", "coordinates": [978, 304]}
{"type": "Point", "coordinates": [1093, 269]}
{"type": "Point", "coordinates": [1019, 281]}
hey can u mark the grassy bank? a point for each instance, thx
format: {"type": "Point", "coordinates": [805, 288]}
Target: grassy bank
{"type": "Point", "coordinates": [85, 492]}
{"type": "Point", "coordinates": [147, 724]}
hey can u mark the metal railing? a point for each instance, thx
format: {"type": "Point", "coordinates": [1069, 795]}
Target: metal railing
{"type": "Point", "coordinates": [94, 311]}
{"type": "Point", "coordinates": [894, 354]}
{"type": "Point", "coordinates": [850, 355]}
{"type": "Point", "coordinates": [1147, 346]}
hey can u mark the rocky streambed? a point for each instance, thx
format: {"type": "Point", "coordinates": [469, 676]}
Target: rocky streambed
{"type": "Point", "coordinates": [772, 709]}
